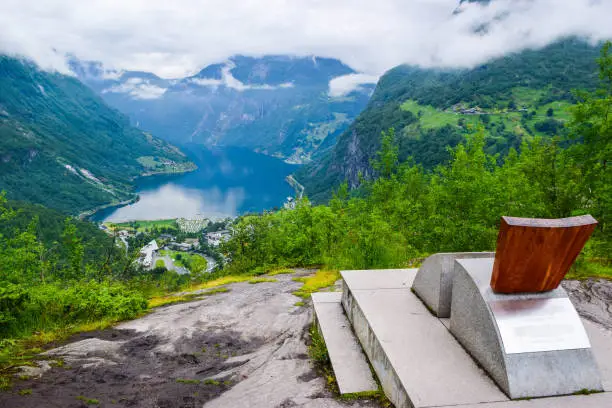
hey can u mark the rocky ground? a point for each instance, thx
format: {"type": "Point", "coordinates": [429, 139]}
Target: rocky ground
{"type": "Point", "coordinates": [593, 299]}
{"type": "Point", "coordinates": [243, 348]}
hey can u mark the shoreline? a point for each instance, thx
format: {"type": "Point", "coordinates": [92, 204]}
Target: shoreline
{"type": "Point", "coordinates": [167, 173]}
{"type": "Point", "coordinates": [86, 215]}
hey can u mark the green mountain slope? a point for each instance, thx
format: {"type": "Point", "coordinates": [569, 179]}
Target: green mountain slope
{"type": "Point", "coordinates": [514, 97]}
{"type": "Point", "coordinates": [62, 146]}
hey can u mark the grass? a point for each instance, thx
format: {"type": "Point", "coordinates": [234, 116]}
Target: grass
{"type": "Point", "coordinates": [280, 271]}
{"type": "Point", "coordinates": [210, 381]}
{"type": "Point", "coordinates": [261, 280]}
{"type": "Point", "coordinates": [187, 381]}
{"type": "Point", "coordinates": [186, 260]}
{"type": "Point", "coordinates": [585, 391]}
{"type": "Point", "coordinates": [432, 118]}
{"type": "Point", "coordinates": [158, 301]}
{"type": "Point", "coordinates": [142, 226]}
{"type": "Point", "coordinates": [225, 280]}
{"type": "Point", "coordinates": [524, 96]}
{"type": "Point", "coordinates": [321, 279]}
{"type": "Point", "coordinates": [88, 401]}
{"type": "Point", "coordinates": [598, 269]}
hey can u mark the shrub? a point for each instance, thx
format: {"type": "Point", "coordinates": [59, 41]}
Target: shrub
{"type": "Point", "coordinates": [49, 306]}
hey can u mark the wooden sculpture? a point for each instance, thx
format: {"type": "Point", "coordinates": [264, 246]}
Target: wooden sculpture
{"type": "Point", "coordinates": [534, 255]}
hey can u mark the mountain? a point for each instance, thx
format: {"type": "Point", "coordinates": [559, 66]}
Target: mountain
{"type": "Point", "coordinates": [63, 147]}
{"type": "Point", "coordinates": [277, 105]}
{"type": "Point", "coordinates": [514, 98]}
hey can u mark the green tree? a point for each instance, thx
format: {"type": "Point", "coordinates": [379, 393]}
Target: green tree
{"type": "Point", "coordinates": [592, 124]}
{"type": "Point", "coordinates": [386, 160]}
{"type": "Point", "coordinates": [74, 245]}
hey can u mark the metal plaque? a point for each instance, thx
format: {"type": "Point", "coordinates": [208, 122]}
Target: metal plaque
{"type": "Point", "coordinates": [535, 325]}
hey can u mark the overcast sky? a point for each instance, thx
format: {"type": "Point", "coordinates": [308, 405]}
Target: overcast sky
{"type": "Point", "coordinates": [175, 38]}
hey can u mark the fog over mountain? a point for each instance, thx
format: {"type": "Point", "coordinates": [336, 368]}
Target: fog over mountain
{"type": "Point", "coordinates": [289, 107]}
{"type": "Point", "coordinates": [177, 39]}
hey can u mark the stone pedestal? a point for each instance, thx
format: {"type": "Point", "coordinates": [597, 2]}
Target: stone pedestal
{"type": "Point", "coordinates": [532, 345]}
{"type": "Point", "coordinates": [433, 283]}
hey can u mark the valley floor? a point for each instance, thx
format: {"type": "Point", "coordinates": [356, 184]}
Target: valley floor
{"type": "Point", "coordinates": [243, 348]}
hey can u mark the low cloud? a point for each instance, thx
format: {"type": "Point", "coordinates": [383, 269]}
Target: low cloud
{"type": "Point", "coordinates": [176, 39]}
{"type": "Point", "coordinates": [229, 81]}
{"type": "Point", "coordinates": [138, 88]}
{"type": "Point", "coordinates": [344, 85]}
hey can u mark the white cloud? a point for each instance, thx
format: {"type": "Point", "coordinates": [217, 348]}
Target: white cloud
{"type": "Point", "coordinates": [138, 88]}
{"type": "Point", "coordinates": [346, 84]}
{"type": "Point", "coordinates": [228, 80]}
{"type": "Point", "coordinates": [174, 39]}
{"type": "Point", "coordinates": [112, 74]}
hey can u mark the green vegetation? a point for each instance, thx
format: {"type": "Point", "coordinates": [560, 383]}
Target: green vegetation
{"type": "Point", "coordinates": [158, 301]}
{"type": "Point", "coordinates": [88, 401]}
{"type": "Point", "coordinates": [63, 147]}
{"type": "Point", "coordinates": [60, 276]}
{"type": "Point", "coordinates": [320, 280]}
{"type": "Point", "coordinates": [409, 211]}
{"type": "Point", "coordinates": [261, 280]}
{"type": "Point", "coordinates": [431, 118]}
{"type": "Point", "coordinates": [424, 107]}
{"type": "Point", "coordinates": [195, 263]}
{"type": "Point", "coordinates": [187, 381]}
{"type": "Point", "coordinates": [144, 226]}
{"type": "Point", "coordinates": [280, 271]}
{"type": "Point", "coordinates": [160, 165]}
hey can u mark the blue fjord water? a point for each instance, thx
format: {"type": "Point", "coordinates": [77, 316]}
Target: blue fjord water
{"type": "Point", "coordinates": [228, 182]}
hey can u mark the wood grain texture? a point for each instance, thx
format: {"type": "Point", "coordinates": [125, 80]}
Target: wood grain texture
{"type": "Point", "coordinates": [534, 255]}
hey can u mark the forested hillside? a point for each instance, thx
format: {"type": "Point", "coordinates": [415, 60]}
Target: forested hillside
{"type": "Point", "coordinates": [408, 211]}
{"type": "Point", "coordinates": [62, 146]}
{"type": "Point", "coordinates": [515, 98]}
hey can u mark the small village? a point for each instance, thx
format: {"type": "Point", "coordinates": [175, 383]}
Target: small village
{"type": "Point", "coordinates": [185, 246]}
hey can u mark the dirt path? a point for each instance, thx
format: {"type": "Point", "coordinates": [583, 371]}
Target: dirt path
{"type": "Point", "coordinates": [243, 348]}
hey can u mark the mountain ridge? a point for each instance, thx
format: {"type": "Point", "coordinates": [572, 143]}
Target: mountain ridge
{"type": "Point", "coordinates": [63, 147]}
{"type": "Point", "coordinates": [512, 93]}
{"type": "Point", "coordinates": [277, 104]}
